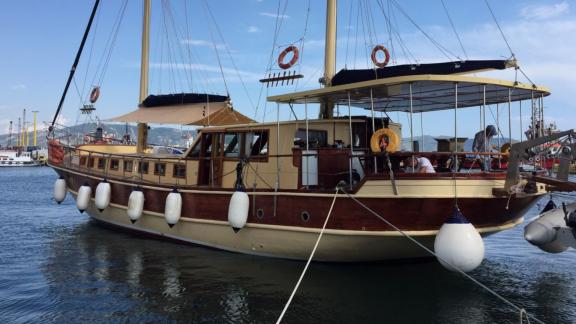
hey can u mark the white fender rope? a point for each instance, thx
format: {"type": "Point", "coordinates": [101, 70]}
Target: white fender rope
{"type": "Point", "coordinates": [309, 260]}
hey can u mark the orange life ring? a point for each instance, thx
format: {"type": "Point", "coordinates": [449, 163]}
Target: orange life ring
{"type": "Point", "coordinates": [384, 139]}
{"type": "Point", "coordinates": [282, 56]}
{"type": "Point", "coordinates": [95, 94]}
{"type": "Point", "coordinates": [375, 51]}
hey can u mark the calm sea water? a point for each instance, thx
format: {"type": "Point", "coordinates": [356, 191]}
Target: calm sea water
{"type": "Point", "coordinates": [58, 266]}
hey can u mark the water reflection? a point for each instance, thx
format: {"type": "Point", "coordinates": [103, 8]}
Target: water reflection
{"type": "Point", "coordinates": [98, 274]}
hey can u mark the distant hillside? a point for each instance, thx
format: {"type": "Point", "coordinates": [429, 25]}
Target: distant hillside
{"type": "Point", "coordinates": [156, 135]}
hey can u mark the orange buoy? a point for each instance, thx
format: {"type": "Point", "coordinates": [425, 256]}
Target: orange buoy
{"type": "Point", "coordinates": [380, 48]}
{"type": "Point", "coordinates": [285, 52]}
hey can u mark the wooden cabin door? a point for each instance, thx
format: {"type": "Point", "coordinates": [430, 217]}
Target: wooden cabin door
{"type": "Point", "coordinates": [211, 160]}
{"type": "Point", "coordinates": [217, 161]}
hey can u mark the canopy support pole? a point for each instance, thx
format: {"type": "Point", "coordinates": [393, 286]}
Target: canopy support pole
{"type": "Point", "coordinates": [373, 127]}
{"type": "Point", "coordinates": [499, 133]}
{"type": "Point", "coordinates": [484, 116]}
{"type": "Point", "coordinates": [277, 185]}
{"type": "Point", "coordinates": [307, 142]}
{"type": "Point", "coordinates": [521, 127]}
{"type": "Point", "coordinates": [351, 139]}
{"type": "Point", "coordinates": [455, 127]}
{"type": "Point", "coordinates": [411, 125]}
{"type": "Point", "coordinates": [510, 115]}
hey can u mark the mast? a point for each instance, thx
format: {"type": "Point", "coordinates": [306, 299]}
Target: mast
{"type": "Point", "coordinates": [74, 65]}
{"type": "Point", "coordinates": [19, 139]}
{"type": "Point", "coordinates": [327, 108]}
{"type": "Point", "coordinates": [10, 135]}
{"type": "Point", "coordinates": [35, 133]}
{"type": "Point", "coordinates": [143, 127]}
{"type": "Point", "coordinates": [24, 139]}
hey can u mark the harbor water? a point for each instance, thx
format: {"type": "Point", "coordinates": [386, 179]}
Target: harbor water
{"type": "Point", "coordinates": [56, 265]}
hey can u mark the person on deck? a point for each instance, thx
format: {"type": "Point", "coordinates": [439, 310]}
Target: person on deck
{"type": "Point", "coordinates": [483, 143]}
{"type": "Point", "coordinates": [419, 165]}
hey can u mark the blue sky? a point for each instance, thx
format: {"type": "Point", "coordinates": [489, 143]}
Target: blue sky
{"type": "Point", "coordinates": [40, 38]}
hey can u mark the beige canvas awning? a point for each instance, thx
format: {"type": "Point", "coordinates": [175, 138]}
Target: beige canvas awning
{"type": "Point", "coordinates": [213, 114]}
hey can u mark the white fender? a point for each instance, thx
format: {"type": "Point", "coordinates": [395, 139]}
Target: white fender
{"type": "Point", "coordinates": [173, 208]}
{"type": "Point", "coordinates": [83, 199]}
{"type": "Point", "coordinates": [60, 190]}
{"type": "Point", "coordinates": [459, 244]}
{"type": "Point", "coordinates": [135, 205]}
{"type": "Point", "coordinates": [238, 210]}
{"type": "Point", "coordinates": [102, 197]}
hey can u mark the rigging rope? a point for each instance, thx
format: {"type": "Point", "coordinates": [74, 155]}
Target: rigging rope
{"type": "Point", "coordinates": [309, 259]}
{"type": "Point", "coordinates": [230, 56]}
{"type": "Point", "coordinates": [454, 28]}
{"type": "Point", "coordinates": [467, 276]}
{"type": "Point", "coordinates": [206, 8]}
{"type": "Point", "coordinates": [499, 28]}
{"type": "Point", "coordinates": [277, 26]}
{"type": "Point", "coordinates": [439, 46]}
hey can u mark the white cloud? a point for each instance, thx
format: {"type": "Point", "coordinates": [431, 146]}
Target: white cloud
{"type": "Point", "coordinates": [273, 15]}
{"type": "Point", "coordinates": [200, 42]}
{"type": "Point", "coordinates": [18, 87]}
{"type": "Point", "coordinates": [228, 72]}
{"type": "Point", "coordinates": [545, 11]}
{"type": "Point", "coordinates": [253, 29]}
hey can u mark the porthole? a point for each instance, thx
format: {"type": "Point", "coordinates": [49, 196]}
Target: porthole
{"type": "Point", "coordinates": [305, 216]}
{"type": "Point", "coordinates": [260, 213]}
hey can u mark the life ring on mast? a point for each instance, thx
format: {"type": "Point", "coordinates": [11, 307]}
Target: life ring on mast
{"type": "Point", "coordinates": [375, 50]}
{"type": "Point", "coordinates": [285, 52]}
{"type": "Point", "coordinates": [384, 139]}
{"type": "Point", "coordinates": [95, 94]}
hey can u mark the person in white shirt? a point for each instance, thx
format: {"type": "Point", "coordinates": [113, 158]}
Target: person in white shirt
{"type": "Point", "coordinates": [419, 164]}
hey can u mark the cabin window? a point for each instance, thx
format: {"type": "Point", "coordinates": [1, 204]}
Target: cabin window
{"type": "Point", "coordinates": [316, 138]}
{"type": "Point", "coordinates": [195, 152]}
{"type": "Point", "coordinates": [232, 145]}
{"type": "Point", "coordinates": [143, 167]}
{"type": "Point", "coordinates": [257, 142]}
{"type": "Point", "coordinates": [179, 171]}
{"type": "Point", "coordinates": [160, 169]}
{"type": "Point", "coordinates": [128, 165]}
{"type": "Point", "coordinates": [83, 160]}
{"type": "Point", "coordinates": [114, 164]}
{"type": "Point", "coordinates": [91, 162]}
{"type": "Point", "coordinates": [101, 163]}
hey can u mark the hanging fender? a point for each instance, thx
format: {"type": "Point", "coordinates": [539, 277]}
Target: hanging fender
{"type": "Point", "coordinates": [375, 50]}
{"type": "Point", "coordinates": [384, 139]}
{"type": "Point", "coordinates": [285, 52]}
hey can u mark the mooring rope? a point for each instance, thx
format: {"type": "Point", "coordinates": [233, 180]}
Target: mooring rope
{"type": "Point", "coordinates": [519, 309]}
{"type": "Point", "coordinates": [309, 259]}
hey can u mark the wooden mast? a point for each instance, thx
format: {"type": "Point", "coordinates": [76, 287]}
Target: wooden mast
{"type": "Point", "coordinates": [143, 127]}
{"type": "Point", "coordinates": [327, 108]}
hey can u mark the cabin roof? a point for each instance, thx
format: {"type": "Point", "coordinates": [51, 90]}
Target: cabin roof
{"type": "Point", "coordinates": [217, 113]}
{"type": "Point", "coordinates": [429, 93]}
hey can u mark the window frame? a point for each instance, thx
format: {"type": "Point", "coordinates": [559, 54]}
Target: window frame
{"type": "Point", "coordinates": [157, 171]}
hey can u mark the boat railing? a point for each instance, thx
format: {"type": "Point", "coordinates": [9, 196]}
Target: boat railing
{"type": "Point", "coordinates": [319, 169]}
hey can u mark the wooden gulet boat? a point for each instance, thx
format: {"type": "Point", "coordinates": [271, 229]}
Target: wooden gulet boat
{"type": "Point", "coordinates": [290, 169]}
